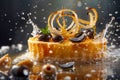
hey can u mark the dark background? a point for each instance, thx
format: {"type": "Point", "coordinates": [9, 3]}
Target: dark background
{"type": "Point", "coordinates": [13, 16]}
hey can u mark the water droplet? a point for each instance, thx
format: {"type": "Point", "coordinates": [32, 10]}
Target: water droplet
{"type": "Point", "coordinates": [5, 14]}
{"type": "Point", "coordinates": [79, 4]}
{"type": "Point", "coordinates": [93, 71]}
{"type": "Point", "coordinates": [44, 18]}
{"type": "Point", "coordinates": [16, 23]}
{"type": "Point", "coordinates": [23, 18]}
{"type": "Point", "coordinates": [42, 9]}
{"type": "Point", "coordinates": [22, 30]}
{"type": "Point", "coordinates": [9, 21]}
{"type": "Point", "coordinates": [11, 29]}
{"type": "Point", "coordinates": [35, 17]}
{"type": "Point", "coordinates": [85, 3]}
{"type": "Point", "coordinates": [10, 39]}
{"type": "Point", "coordinates": [116, 12]}
{"type": "Point", "coordinates": [75, 51]}
{"type": "Point", "coordinates": [35, 6]}
{"type": "Point", "coordinates": [88, 75]}
{"type": "Point", "coordinates": [23, 13]}
{"type": "Point", "coordinates": [28, 4]}
{"type": "Point", "coordinates": [110, 14]}
{"type": "Point", "coordinates": [102, 11]}
{"type": "Point", "coordinates": [67, 78]}
{"type": "Point", "coordinates": [49, 4]}
{"type": "Point", "coordinates": [50, 51]}
{"type": "Point", "coordinates": [86, 8]}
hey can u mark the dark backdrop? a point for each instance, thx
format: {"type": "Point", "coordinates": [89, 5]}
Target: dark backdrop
{"type": "Point", "coordinates": [13, 16]}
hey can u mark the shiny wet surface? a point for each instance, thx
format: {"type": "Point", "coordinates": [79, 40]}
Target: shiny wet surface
{"type": "Point", "coordinates": [108, 69]}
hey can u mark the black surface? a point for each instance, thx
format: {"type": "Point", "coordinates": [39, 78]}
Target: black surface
{"type": "Point", "coordinates": [11, 12]}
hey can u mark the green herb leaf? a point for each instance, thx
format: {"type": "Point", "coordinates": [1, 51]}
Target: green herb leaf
{"type": "Point", "coordinates": [45, 30]}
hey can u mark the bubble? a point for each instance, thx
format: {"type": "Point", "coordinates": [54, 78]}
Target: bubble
{"type": "Point", "coordinates": [9, 21]}
{"type": "Point", "coordinates": [11, 29]}
{"type": "Point", "coordinates": [101, 23]}
{"type": "Point", "coordinates": [88, 75]}
{"type": "Point", "coordinates": [102, 11]}
{"type": "Point", "coordinates": [23, 13]}
{"type": "Point", "coordinates": [35, 12]}
{"type": "Point", "coordinates": [50, 51]}
{"type": "Point", "coordinates": [85, 3]}
{"type": "Point", "coordinates": [110, 14]}
{"type": "Point", "coordinates": [22, 30]}
{"type": "Point", "coordinates": [79, 4]}
{"type": "Point", "coordinates": [45, 21]}
{"type": "Point", "coordinates": [28, 4]}
{"type": "Point", "coordinates": [35, 17]}
{"type": "Point", "coordinates": [49, 4]}
{"type": "Point", "coordinates": [16, 23]}
{"type": "Point", "coordinates": [116, 23]}
{"type": "Point", "coordinates": [93, 71]}
{"type": "Point", "coordinates": [10, 39]}
{"type": "Point", "coordinates": [44, 18]}
{"type": "Point", "coordinates": [5, 14]}
{"type": "Point", "coordinates": [67, 78]}
{"type": "Point", "coordinates": [23, 18]}
{"type": "Point", "coordinates": [35, 6]}
{"type": "Point", "coordinates": [86, 8]}
{"type": "Point", "coordinates": [42, 9]}
{"type": "Point", "coordinates": [75, 51]}
{"type": "Point", "coordinates": [116, 12]}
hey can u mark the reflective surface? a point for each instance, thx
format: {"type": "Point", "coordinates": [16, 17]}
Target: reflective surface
{"type": "Point", "coordinates": [13, 20]}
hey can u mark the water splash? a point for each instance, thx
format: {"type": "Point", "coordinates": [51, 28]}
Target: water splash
{"type": "Point", "coordinates": [107, 26]}
{"type": "Point", "coordinates": [36, 30]}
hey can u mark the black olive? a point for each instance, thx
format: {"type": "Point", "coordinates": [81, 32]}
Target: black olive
{"type": "Point", "coordinates": [57, 38]}
{"type": "Point", "coordinates": [78, 39]}
{"type": "Point", "coordinates": [78, 34]}
{"type": "Point", "coordinates": [45, 37]}
{"type": "Point", "coordinates": [19, 72]}
{"type": "Point", "coordinates": [3, 76]}
{"type": "Point", "coordinates": [67, 65]}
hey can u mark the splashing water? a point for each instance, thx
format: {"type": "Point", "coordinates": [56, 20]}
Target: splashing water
{"type": "Point", "coordinates": [108, 26]}
{"type": "Point", "coordinates": [36, 30]}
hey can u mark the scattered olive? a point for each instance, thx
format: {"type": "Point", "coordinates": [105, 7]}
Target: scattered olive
{"type": "Point", "coordinates": [57, 38]}
{"type": "Point", "coordinates": [19, 72]}
{"type": "Point", "coordinates": [45, 37]}
{"type": "Point", "coordinates": [3, 76]}
{"type": "Point", "coordinates": [78, 34]}
{"type": "Point", "coordinates": [78, 39]}
{"type": "Point", "coordinates": [49, 72]}
{"type": "Point", "coordinates": [82, 35]}
{"type": "Point", "coordinates": [67, 65]}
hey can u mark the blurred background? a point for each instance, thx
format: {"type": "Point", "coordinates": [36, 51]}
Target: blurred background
{"type": "Point", "coordinates": [13, 17]}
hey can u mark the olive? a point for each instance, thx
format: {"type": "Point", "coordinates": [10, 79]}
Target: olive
{"type": "Point", "coordinates": [19, 72]}
{"type": "Point", "coordinates": [78, 34]}
{"type": "Point", "coordinates": [3, 76]}
{"type": "Point", "coordinates": [45, 37]}
{"type": "Point", "coordinates": [57, 38]}
{"type": "Point", "coordinates": [49, 72]}
{"type": "Point", "coordinates": [67, 65]}
{"type": "Point", "coordinates": [78, 39]}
